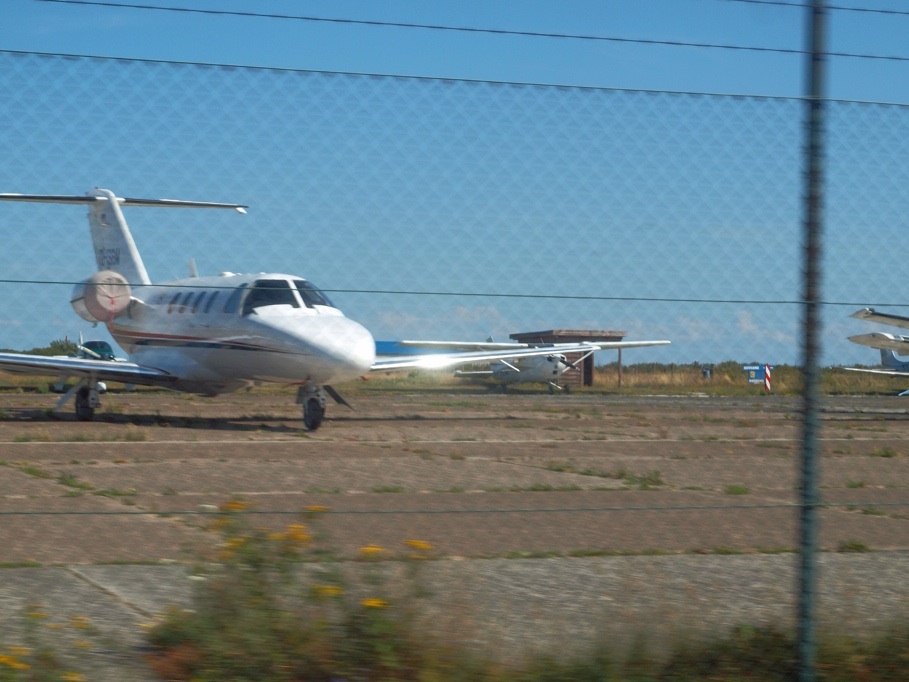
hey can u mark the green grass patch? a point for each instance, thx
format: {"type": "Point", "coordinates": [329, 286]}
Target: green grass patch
{"type": "Point", "coordinates": [34, 471]}
{"type": "Point", "coordinates": [115, 492]}
{"type": "Point", "coordinates": [388, 489]}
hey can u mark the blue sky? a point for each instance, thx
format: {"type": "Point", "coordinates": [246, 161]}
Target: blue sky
{"type": "Point", "coordinates": [35, 25]}
{"type": "Point", "coordinates": [734, 218]}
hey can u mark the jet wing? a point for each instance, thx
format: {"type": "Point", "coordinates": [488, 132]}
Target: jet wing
{"type": "Point", "coordinates": [513, 345]}
{"type": "Point", "coordinates": [101, 370]}
{"type": "Point", "coordinates": [884, 318]}
{"type": "Point", "coordinates": [464, 345]}
{"type": "Point", "coordinates": [443, 360]}
{"type": "Point", "coordinates": [883, 341]}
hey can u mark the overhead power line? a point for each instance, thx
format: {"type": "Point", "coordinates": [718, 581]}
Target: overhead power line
{"type": "Point", "coordinates": [491, 31]}
{"type": "Point", "coordinates": [492, 294]}
{"type": "Point", "coordinates": [835, 8]}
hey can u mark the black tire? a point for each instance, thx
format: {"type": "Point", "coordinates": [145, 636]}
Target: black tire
{"type": "Point", "coordinates": [84, 411]}
{"type": "Point", "coordinates": [313, 413]}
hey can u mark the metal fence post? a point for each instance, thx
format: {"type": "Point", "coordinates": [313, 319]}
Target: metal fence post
{"type": "Point", "coordinates": [813, 227]}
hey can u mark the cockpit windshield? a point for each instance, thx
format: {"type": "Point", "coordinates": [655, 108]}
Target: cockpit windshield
{"type": "Point", "coordinates": [311, 294]}
{"type": "Point", "coordinates": [264, 292]}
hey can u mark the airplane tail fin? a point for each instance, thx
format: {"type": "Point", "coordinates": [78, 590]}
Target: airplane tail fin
{"type": "Point", "coordinates": [114, 246]}
{"type": "Point", "coordinates": [890, 361]}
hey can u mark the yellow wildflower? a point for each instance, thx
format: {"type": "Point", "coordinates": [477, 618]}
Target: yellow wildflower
{"type": "Point", "coordinates": [296, 532]}
{"type": "Point", "coordinates": [235, 543]}
{"type": "Point", "coordinates": [277, 537]}
{"type": "Point", "coordinates": [315, 508]}
{"type": "Point", "coordinates": [371, 550]}
{"type": "Point", "coordinates": [79, 622]}
{"type": "Point", "coordinates": [327, 590]}
{"type": "Point", "coordinates": [234, 505]}
{"type": "Point", "coordinates": [82, 644]}
{"type": "Point", "coordinates": [374, 603]}
{"type": "Point", "coordinates": [421, 545]}
{"type": "Point", "coordinates": [37, 615]}
{"type": "Point", "coordinates": [13, 662]}
{"type": "Point", "coordinates": [72, 677]}
{"type": "Point", "coordinates": [218, 524]}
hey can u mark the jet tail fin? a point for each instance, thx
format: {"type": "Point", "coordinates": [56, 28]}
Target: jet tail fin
{"type": "Point", "coordinates": [114, 246]}
{"type": "Point", "coordinates": [890, 361]}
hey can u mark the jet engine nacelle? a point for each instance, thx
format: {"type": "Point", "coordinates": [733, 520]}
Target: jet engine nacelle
{"type": "Point", "coordinates": [102, 297]}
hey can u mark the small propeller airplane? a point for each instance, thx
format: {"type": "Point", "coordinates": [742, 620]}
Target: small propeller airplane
{"type": "Point", "coordinates": [543, 369]}
{"type": "Point", "coordinates": [217, 334]}
{"type": "Point", "coordinates": [886, 343]}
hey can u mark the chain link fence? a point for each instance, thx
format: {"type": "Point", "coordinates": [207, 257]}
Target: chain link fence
{"type": "Point", "coordinates": [461, 210]}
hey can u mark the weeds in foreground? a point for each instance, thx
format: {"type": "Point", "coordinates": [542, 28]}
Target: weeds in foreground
{"type": "Point", "coordinates": [260, 613]}
{"type": "Point", "coordinates": [276, 606]}
{"type": "Point", "coordinates": [36, 659]}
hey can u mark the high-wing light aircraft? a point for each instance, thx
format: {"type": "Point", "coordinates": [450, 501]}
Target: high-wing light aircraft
{"type": "Point", "coordinates": [887, 344]}
{"type": "Point", "coordinates": [212, 335]}
{"type": "Point", "coordinates": [544, 369]}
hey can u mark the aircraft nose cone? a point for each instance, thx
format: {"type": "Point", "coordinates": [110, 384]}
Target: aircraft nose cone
{"type": "Point", "coordinates": [343, 348]}
{"type": "Point", "coordinates": [357, 348]}
{"type": "Point", "coordinates": [318, 349]}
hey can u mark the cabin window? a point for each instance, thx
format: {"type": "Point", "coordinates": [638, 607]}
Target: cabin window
{"type": "Point", "coordinates": [311, 294]}
{"type": "Point", "coordinates": [211, 301]}
{"type": "Point", "coordinates": [230, 306]}
{"type": "Point", "coordinates": [184, 302]}
{"type": "Point", "coordinates": [173, 302]}
{"type": "Point", "coordinates": [266, 292]}
{"type": "Point", "coordinates": [198, 300]}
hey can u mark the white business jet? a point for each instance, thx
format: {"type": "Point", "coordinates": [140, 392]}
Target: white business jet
{"type": "Point", "coordinates": [213, 335]}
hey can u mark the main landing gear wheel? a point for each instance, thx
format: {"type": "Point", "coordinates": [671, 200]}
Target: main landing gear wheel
{"type": "Point", "coordinates": [84, 410]}
{"type": "Point", "coordinates": [313, 412]}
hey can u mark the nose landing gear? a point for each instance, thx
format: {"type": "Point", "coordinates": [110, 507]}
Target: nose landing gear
{"type": "Point", "coordinates": [313, 400]}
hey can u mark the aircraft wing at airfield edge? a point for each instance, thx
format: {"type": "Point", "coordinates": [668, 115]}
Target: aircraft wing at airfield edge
{"type": "Point", "coordinates": [882, 341]}
{"type": "Point", "coordinates": [872, 315]}
{"type": "Point", "coordinates": [102, 370]}
{"type": "Point", "coordinates": [889, 372]}
{"type": "Point", "coordinates": [443, 360]}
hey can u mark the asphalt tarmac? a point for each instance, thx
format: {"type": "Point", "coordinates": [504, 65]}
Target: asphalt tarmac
{"type": "Point", "coordinates": [546, 513]}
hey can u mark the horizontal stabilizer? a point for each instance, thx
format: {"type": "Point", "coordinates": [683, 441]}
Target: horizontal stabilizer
{"type": "Point", "coordinates": [123, 201]}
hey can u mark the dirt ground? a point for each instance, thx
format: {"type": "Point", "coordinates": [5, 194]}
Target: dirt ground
{"type": "Point", "coordinates": [474, 473]}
